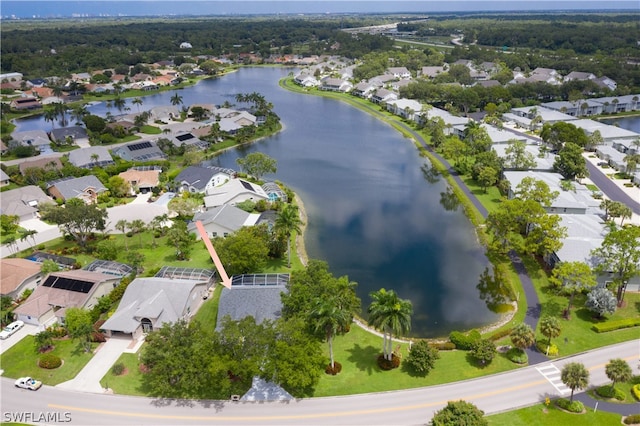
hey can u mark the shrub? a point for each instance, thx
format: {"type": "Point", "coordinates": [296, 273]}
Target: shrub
{"type": "Point", "coordinates": [542, 348]}
{"type": "Point", "coordinates": [422, 357]}
{"type": "Point", "coordinates": [57, 331]}
{"type": "Point", "coordinates": [49, 361]}
{"type": "Point", "coordinates": [464, 341]}
{"type": "Point", "coordinates": [608, 391]}
{"type": "Point", "coordinates": [443, 346]}
{"type": "Point", "coordinates": [632, 419]}
{"type": "Point", "coordinates": [616, 325]}
{"type": "Point", "coordinates": [573, 407]}
{"type": "Point", "coordinates": [636, 391]}
{"type": "Point", "coordinates": [117, 368]}
{"type": "Point", "coordinates": [500, 334]}
{"type": "Point", "coordinates": [386, 365]}
{"type": "Point", "coordinates": [518, 356]}
{"type": "Point", "coordinates": [337, 367]}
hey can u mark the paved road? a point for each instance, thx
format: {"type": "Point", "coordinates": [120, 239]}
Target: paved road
{"type": "Point", "coordinates": [613, 191]}
{"type": "Point", "coordinates": [492, 394]}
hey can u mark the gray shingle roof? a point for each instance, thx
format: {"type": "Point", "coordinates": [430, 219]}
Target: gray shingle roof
{"type": "Point", "coordinates": [73, 187]}
{"type": "Point", "coordinates": [260, 302]}
{"type": "Point", "coordinates": [197, 177]}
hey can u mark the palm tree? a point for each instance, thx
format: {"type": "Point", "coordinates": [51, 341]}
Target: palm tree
{"type": "Point", "coordinates": [575, 376]}
{"type": "Point", "coordinates": [176, 100]}
{"type": "Point", "coordinates": [631, 161]}
{"type": "Point", "coordinates": [137, 227]}
{"type": "Point", "coordinates": [522, 336]}
{"type": "Point", "coordinates": [618, 370]}
{"type": "Point", "coordinates": [137, 101]}
{"type": "Point", "coordinates": [549, 327]}
{"type": "Point", "coordinates": [51, 115]}
{"type": "Point", "coordinates": [122, 226]}
{"type": "Point", "coordinates": [119, 103]}
{"type": "Point", "coordinates": [392, 315]}
{"type": "Point", "coordinates": [287, 222]}
{"type": "Point", "coordinates": [330, 318]}
{"type": "Point", "coordinates": [28, 233]}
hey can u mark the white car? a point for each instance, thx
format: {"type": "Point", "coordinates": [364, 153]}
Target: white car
{"type": "Point", "coordinates": [28, 383]}
{"type": "Point", "coordinates": [10, 329]}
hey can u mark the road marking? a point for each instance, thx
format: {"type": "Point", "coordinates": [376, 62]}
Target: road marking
{"type": "Point", "coordinates": [552, 374]}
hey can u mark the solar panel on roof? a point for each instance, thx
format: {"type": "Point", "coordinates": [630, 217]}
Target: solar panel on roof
{"type": "Point", "coordinates": [184, 137]}
{"type": "Point", "coordinates": [139, 146]}
{"type": "Point", "coordinates": [69, 284]}
{"type": "Point", "coordinates": [246, 185]}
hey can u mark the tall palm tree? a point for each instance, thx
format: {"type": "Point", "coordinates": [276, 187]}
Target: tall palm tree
{"type": "Point", "coordinates": [176, 100]}
{"type": "Point", "coordinates": [119, 103]}
{"type": "Point", "coordinates": [137, 101]}
{"type": "Point", "coordinates": [618, 370]}
{"type": "Point", "coordinates": [29, 233]}
{"type": "Point", "coordinates": [631, 161]}
{"type": "Point", "coordinates": [137, 227]}
{"type": "Point", "coordinates": [575, 376]}
{"type": "Point", "coordinates": [50, 115]}
{"type": "Point", "coordinates": [392, 315]}
{"type": "Point", "coordinates": [122, 225]}
{"type": "Point", "coordinates": [329, 317]}
{"type": "Point", "coordinates": [287, 222]}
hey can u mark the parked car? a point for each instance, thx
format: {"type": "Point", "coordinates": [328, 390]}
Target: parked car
{"type": "Point", "coordinates": [10, 329]}
{"type": "Point", "coordinates": [28, 383]}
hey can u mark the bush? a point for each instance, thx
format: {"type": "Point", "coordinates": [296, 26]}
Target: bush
{"type": "Point", "coordinates": [443, 346]}
{"type": "Point", "coordinates": [57, 331]}
{"type": "Point", "coordinates": [337, 367]}
{"type": "Point", "coordinates": [542, 348]}
{"type": "Point", "coordinates": [464, 341]}
{"type": "Point", "coordinates": [632, 419]}
{"type": "Point", "coordinates": [386, 365]}
{"type": "Point", "coordinates": [117, 368]}
{"type": "Point", "coordinates": [49, 361]}
{"type": "Point", "coordinates": [500, 334]}
{"type": "Point", "coordinates": [616, 325]}
{"type": "Point", "coordinates": [636, 391]}
{"type": "Point", "coordinates": [572, 407]}
{"type": "Point", "coordinates": [608, 391]}
{"type": "Point", "coordinates": [518, 356]}
{"type": "Point", "coordinates": [422, 357]}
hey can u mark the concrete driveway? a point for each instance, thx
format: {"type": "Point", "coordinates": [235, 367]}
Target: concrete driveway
{"type": "Point", "coordinates": [28, 329]}
{"type": "Point", "coordinates": [88, 380]}
{"type": "Point", "coordinates": [137, 209]}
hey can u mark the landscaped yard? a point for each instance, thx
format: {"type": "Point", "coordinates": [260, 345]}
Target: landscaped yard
{"type": "Point", "coordinates": [22, 360]}
{"type": "Point", "coordinates": [552, 416]}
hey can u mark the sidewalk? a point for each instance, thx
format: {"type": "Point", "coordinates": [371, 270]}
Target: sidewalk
{"type": "Point", "coordinates": [88, 380]}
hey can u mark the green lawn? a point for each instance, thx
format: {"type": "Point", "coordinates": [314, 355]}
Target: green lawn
{"type": "Point", "coordinates": [150, 130]}
{"type": "Point", "coordinates": [542, 416]}
{"type": "Point", "coordinates": [629, 398]}
{"type": "Point", "coordinates": [208, 312]}
{"type": "Point", "coordinates": [357, 352]}
{"type": "Point", "coordinates": [22, 360]}
{"type": "Point", "coordinates": [128, 383]}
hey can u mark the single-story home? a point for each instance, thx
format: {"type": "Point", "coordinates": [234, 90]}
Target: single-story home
{"type": "Point", "coordinates": [62, 290]}
{"type": "Point", "coordinates": [87, 188]}
{"type": "Point", "coordinates": [142, 180]}
{"type": "Point", "coordinates": [23, 202]}
{"type": "Point", "coordinates": [18, 275]}
{"type": "Point", "coordinates": [233, 192]}
{"type": "Point", "coordinates": [41, 163]}
{"type": "Point", "coordinates": [93, 156]}
{"type": "Point", "coordinates": [4, 178]}
{"type": "Point", "coordinates": [148, 303]}
{"type": "Point", "coordinates": [35, 138]}
{"type": "Point", "coordinates": [140, 151]}
{"type": "Point", "coordinates": [196, 179]}
{"type": "Point", "coordinates": [61, 134]}
{"type": "Point", "coordinates": [223, 220]}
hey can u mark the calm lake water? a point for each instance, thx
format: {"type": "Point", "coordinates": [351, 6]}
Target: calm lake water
{"type": "Point", "coordinates": [628, 123]}
{"type": "Point", "coordinates": [372, 215]}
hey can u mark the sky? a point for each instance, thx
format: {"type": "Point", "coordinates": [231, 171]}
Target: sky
{"type": "Point", "coordinates": [56, 8]}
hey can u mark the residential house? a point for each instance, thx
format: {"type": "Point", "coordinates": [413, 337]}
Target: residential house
{"type": "Point", "coordinates": [584, 107]}
{"type": "Point", "coordinates": [363, 90]}
{"type": "Point", "coordinates": [606, 83]}
{"type": "Point", "coordinates": [397, 85]}
{"type": "Point", "coordinates": [612, 156]}
{"type": "Point", "coordinates": [88, 158]}
{"type": "Point", "coordinates": [488, 83]}
{"type": "Point", "coordinates": [543, 163]}
{"type": "Point", "coordinates": [41, 163]}
{"type": "Point", "coordinates": [383, 96]}
{"type": "Point", "coordinates": [25, 103]}
{"type": "Point", "coordinates": [381, 80]}
{"type": "Point", "coordinates": [87, 188]}
{"type": "Point", "coordinates": [608, 132]}
{"type": "Point", "coordinates": [453, 125]}
{"type": "Point", "coordinates": [223, 220]}
{"type": "Point", "coordinates": [399, 72]}
{"type": "Point", "coordinates": [579, 75]}
{"type": "Point", "coordinates": [164, 113]}
{"type": "Point", "coordinates": [615, 104]}
{"type": "Point", "coordinates": [577, 200]}
{"type": "Point", "coordinates": [196, 179]}
{"type": "Point", "coordinates": [188, 139]}
{"type": "Point", "coordinates": [539, 75]}
{"type": "Point", "coordinates": [60, 291]}
{"type": "Point", "coordinates": [140, 151]}
{"type": "Point", "coordinates": [305, 79]}
{"type": "Point", "coordinates": [142, 179]}
{"type": "Point", "coordinates": [62, 134]}
{"type": "Point", "coordinates": [23, 202]}
{"type": "Point", "coordinates": [18, 275]}
{"type": "Point", "coordinates": [546, 115]}
{"type": "Point", "coordinates": [233, 192]}
{"type": "Point", "coordinates": [149, 303]}
{"type": "Point", "coordinates": [252, 295]}
{"type": "Point", "coordinates": [406, 108]}
{"type": "Point", "coordinates": [335, 85]}
{"type": "Point", "coordinates": [502, 136]}
{"type": "Point", "coordinates": [4, 178]}
{"type": "Point", "coordinates": [434, 71]}
{"type": "Point", "coordinates": [35, 138]}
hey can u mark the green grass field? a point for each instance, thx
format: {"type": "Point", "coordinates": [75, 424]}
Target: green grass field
{"type": "Point", "coordinates": [540, 415]}
{"type": "Point", "coordinates": [22, 360]}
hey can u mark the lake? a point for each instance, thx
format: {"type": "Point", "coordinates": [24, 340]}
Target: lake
{"type": "Point", "coordinates": [372, 215]}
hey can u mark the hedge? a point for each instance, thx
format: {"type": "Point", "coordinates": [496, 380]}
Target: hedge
{"type": "Point", "coordinates": [636, 391]}
{"type": "Point", "coordinates": [574, 407]}
{"type": "Point", "coordinates": [616, 325]}
{"type": "Point", "coordinates": [632, 419]}
{"type": "Point", "coordinates": [464, 341]}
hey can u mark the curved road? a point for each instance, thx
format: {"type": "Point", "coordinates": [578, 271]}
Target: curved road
{"type": "Point", "coordinates": [496, 393]}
